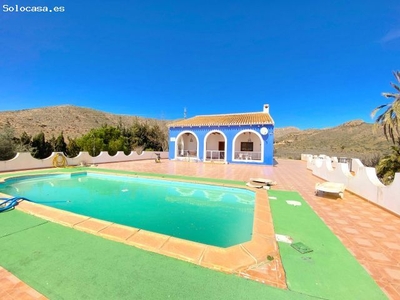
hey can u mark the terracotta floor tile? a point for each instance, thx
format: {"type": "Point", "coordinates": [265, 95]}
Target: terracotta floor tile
{"type": "Point", "coordinates": [363, 242]}
{"type": "Point", "coordinates": [377, 234]}
{"type": "Point", "coordinates": [391, 292]}
{"type": "Point", "coordinates": [342, 222]}
{"type": "Point", "coordinates": [379, 220]}
{"type": "Point", "coordinates": [351, 231]}
{"type": "Point", "coordinates": [391, 245]}
{"type": "Point", "coordinates": [13, 288]}
{"type": "Point", "coordinates": [389, 227]}
{"type": "Point", "coordinates": [372, 234]}
{"type": "Point", "coordinates": [393, 273]}
{"type": "Point", "coordinates": [378, 256]}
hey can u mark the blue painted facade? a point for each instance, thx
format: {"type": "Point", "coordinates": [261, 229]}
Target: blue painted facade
{"type": "Point", "coordinates": [250, 144]}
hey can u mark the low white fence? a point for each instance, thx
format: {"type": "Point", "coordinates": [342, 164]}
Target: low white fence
{"type": "Point", "coordinates": [362, 181]}
{"type": "Point", "coordinates": [215, 155]}
{"type": "Point", "coordinates": [248, 155]}
{"type": "Point", "coordinates": [24, 160]}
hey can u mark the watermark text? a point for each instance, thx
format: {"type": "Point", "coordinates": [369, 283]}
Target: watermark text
{"type": "Point", "coordinates": [15, 8]}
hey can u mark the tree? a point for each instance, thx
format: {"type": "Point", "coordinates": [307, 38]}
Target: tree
{"type": "Point", "coordinates": [390, 118]}
{"type": "Point", "coordinates": [156, 138]}
{"type": "Point", "coordinates": [72, 148]}
{"type": "Point", "coordinates": [41, 148]}
{"type": "Point", "coordinates": [60, 145]}
{"type": "Point", "coordinates": [91, 143]}
{"type": "Point", "coordinates": [149, 136]}
{"type": "Point", "coordinates": [159, 132]}
{"type": "Point", "coordinates": [140, 134]}
{"type": "Point", "coordinates": [7, 146]}
{"type": "Point", "coordinates": [116, 145]}
{"type": "Point", "coordinates": [389, 165]}
{"type": "Point", "coordinates": [105, 138]}
{"type": "Point", "coordinates": [25, 142]}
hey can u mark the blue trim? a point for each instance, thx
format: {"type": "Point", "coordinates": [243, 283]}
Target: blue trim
{"type": "Point", "coordinates": [200, 132]}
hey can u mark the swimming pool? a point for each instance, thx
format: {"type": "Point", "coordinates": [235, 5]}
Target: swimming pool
{"type": "Point", "coordinates": [212, 215]}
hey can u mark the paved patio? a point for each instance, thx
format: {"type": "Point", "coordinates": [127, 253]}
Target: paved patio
{"type": "Point", "coordinates": [370, 233]}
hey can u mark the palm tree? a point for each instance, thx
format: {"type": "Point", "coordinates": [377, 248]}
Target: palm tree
{"type": "Point", "coordinates": [389, 165]}
{"type": "Point", "coordinates": [390, 118]}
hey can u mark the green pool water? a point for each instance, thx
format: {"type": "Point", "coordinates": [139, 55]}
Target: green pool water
{"type": "Point", "coordinates": [213, 215]}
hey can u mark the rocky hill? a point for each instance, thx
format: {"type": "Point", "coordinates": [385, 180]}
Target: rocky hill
{"type": "Point", "coordinates": [352, 139]}
{"type": "Point", "coordinates": [73, 121]}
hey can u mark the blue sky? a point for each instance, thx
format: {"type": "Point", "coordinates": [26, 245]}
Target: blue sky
{"type": "Point", "coordinates": [317, 63]}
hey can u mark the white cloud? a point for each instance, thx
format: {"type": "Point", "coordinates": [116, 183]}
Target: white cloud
{"type": "Point", "coordinates": [391, 35]}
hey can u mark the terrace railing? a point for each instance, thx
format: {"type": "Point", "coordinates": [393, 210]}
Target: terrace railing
{"type": "Point", "coordinates": [187, 153]}
{"type": "Point", "coordinates": [215, 155]}
{"type": "Point", "coordinates": [247, 155]}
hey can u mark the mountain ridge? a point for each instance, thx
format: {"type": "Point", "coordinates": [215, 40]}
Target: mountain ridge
{"type": "Point", "coordinates": [353, 138]}
{"type": "Point", "coordinates": [72, 120]}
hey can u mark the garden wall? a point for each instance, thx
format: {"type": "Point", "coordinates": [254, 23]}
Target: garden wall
{"type": "Point", "coordinates": [25, 161]}
{"type": "Point", "coordinates": [361, 181]}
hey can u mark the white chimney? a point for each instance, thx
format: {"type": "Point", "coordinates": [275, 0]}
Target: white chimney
{"type": "Point", "coordinates": [266, 108]}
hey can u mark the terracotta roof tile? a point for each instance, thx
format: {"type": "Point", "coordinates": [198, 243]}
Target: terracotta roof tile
{"type": "Point", "coordinates": [261, 118]}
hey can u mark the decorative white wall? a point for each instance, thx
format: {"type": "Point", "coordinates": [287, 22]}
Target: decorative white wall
{"type": "Point", "coordinates": [25, 161]}
{"type": "Point", "coordinates": [362, 181]}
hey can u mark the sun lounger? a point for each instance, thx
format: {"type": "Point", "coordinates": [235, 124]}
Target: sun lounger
{"type": "Point", "coordinates": [330, 187]}
{"type": "Point", "coordinates": [263, 180]}
{"type": "Point", "coordinates": [256, 186]}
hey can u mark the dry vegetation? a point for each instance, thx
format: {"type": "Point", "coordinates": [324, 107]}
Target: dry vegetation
{"type": "Point", "coordinates": [73, 121]}
{"type": "Point", "coordinates": [352, 139]}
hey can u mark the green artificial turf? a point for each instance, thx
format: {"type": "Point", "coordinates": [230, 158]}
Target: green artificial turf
{"type": "Point", "coordinates": [63, 263]}
{"type": "Point", "coordinates": [329, 271]}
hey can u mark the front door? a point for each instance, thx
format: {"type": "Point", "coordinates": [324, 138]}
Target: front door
{"type": "Point", "coordinates": [221, 147]}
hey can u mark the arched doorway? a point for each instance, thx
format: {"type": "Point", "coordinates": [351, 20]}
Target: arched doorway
{"type": "Point", "coordinates": [215, 146]}
{"type": "Point", "coordinates": [248, 147]}
{"type": "Point", "coordinates": [186, 146]}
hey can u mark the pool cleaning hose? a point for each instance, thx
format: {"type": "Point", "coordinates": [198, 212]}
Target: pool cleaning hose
{"type": "Point", "coordinates": [9, 203]}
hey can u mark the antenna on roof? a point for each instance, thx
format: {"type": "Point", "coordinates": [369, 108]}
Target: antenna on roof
{"type": "Point", "coordinates": [184, 113]}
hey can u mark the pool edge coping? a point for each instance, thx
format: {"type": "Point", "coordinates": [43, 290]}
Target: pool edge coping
{"type": "Point", "coordinates": [242, 259]}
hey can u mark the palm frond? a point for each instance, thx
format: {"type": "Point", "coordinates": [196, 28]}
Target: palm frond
{"type": "Point", "coordinates": [373, 113]}
{"type": "Point", "coordinates": [395, 86]}
{"type": "Point", "coordinates": [389, 119]}
{"type": "Point", "coordinates": [397, 75]}
{"type": "Point", "coordinates": [389, 95]}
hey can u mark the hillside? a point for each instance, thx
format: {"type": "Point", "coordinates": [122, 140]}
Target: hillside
{"type": "Point", "coordinates": [73, 121]}
{"type": "Point", "coordinates": [352, 139]}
